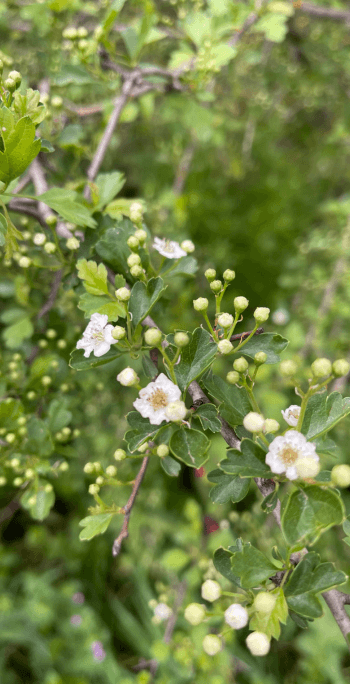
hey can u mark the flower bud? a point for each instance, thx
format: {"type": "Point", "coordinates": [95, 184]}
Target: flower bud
{"type": "Point", "coordinates": [3, 481]}
{"type": "Point", "coordinates": [82, 32]}
{"type": "Point", "coordinates": [240, 365]}
{"type": "Point", "coordinates": [258, 643]}
{"type": "Point", "coordinates": [72, 243]}
{"type": "Point", "coordinates": [187, 246]}
{"type": "Point", "coordinates": [89, 468]}
{"type": "Point", "coordinates": [153, 337]}
{"type": "Point", "coordinates": [51, 220]}
{"type": "Point", "coordinates": [210, 274]}
{"type": "Point", "coordinates": [225, 320]}
{"type": "Point", "coordinates": [143, 447]}
{"type": "Point", "coordinates": [162, 611]}
{"type": "Point", "coordinates": [261, 314]}
{"type": "Point", "coordinates": [307, 467]}
{"type": "Point", "coordinates": [340, 367]}
{"type": "Point", "coordinates": [288, 368]}
{"type": "Point", "coordinates": [123, 294]}
{"type": "Point", "coordinates": [118, 333]}
{"type": "Point", "coordinates": [15, 462]}
{"type": "Point", "coordinates": [136, 212]}
{"type": "Point", "coordinates": [48, 488]}
{"type": "Point", "coordinates": [210, 590]}
{"type": "Point", "coordinates": [216, 286]}
{"type": "Point", "coordinates": [225, 347]}
{"type": "Point", "coordinates": [128, 377]}
{"type": "Point", "coordinates": [240, 304]}
{"type": "Point", "coordinates": [253, 422]}
{"type": "Point", "coordinates": [46, 380]}
{"type": "Point", "coordinates": [10, 84]}
{"type": "Point", "coordinates": [264, 602]}
{"type": "Point", "coordinates": [141, 235]}
{"type": "Point", "coordinates": [51, 333]}
{"type": "Point", "coordinates": [94, 489]}
{"type": "Point", "coordinates": [24, 262]}
{"type": "Point", "coordinates": [181, 339]}
{"type": "Point", "coordinates": [211, 644]}
{"type": "Point", "coordinates": [232, 377]}
{"type": "Point", "coordinates": [260, 358]}
{"type": "Point", "coordinates": [50, 247]}
{"type": "Point", "coordinates": [32, 501]}
{"type": "Point", "coordinates": [162, 450]}
{"type": "Point", "coordinates": [340, 475]}
{"type": "Point", "coordinates": [271, 425]}
{"type": "Point", "coordinates": [66, 431]}
{"type": "Point", "coordinates": [133, 243]}
{"type": "Point", "coordinates": [111, 471]}
{"type": "Point", "coordinates": [321, 368]}
{"type": "Point", "coordinates": [70, 33]}
{"type": "Point", "coordinates": [18, 481]}
{"type": "Point", "coordinates": [236, 616]}
{"type": "Point", "coordinates": [136, 271]}
{"type": "Point", "coordinates": [194, 613]}
{"type": "Point", "coordinates": [133, 260]}
{"type": "Point", "coordinates": [39, 239]}
{"type": "Point", "coordinates": [200, 304]}
{"type": "Point", "coordinates": [176, 411]}
{"type": "Point", "coordinates": [63, 467]}
{"type": "Point", "coordinates": [16, 76]}
{"type": "Point", "coordinates": [31, 395]}
{"type": "Point", "coordinates": [119, 455]}
{"type": "Point", "coordinates": [64, 387]}
{"type": "Point", "coordinates": [22, 431]}
{"type": "Point", "coordinates": [22, 420]}
{"type": "Point", "coordinates": [229, 275]}
{"type": "Point", "coordinates": [29, 473]}
{"type": "Point", "coordinates": [56, 101]}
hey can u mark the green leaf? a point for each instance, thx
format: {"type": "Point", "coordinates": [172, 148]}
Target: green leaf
{"type": "Point", "coordinates": [108, 185]}
{"type": "Point", "coordinates": [251, 565]}
{"type": "Point", "coordinates": [79, 362]}
{"type": "Point", "coordinates": [170, 466]}
{"type": "Point", "coordinates": [142, 430]}
{"type": "Point", "coordinates": [175, 560]}
{"type": "Point", "coordinates": [46, 146]}
{"type": "Point", "coordinates": [228, 487]}
{"type": "Point", "coordinates": [143, 298]}
{"type": "Point", "coordinates": [64, 202]}
{"type": "Point", "coordinates": [270, 502]}
{"type": "Point", "coordinates": [91, 304]}
{"type": "Point", "coordinates": [43, 500]}
{"type": "Point", "coordinates": [112, 247]}
{"type": "Point", "coordinates": [195, 358]}
{"type": "Point", "coordinates": [270, 343]}
{"type": "Point", "coordinates": [309, 512]}
{"type": "Point", "coordinates": [274, 26]}
{"type": "Point", "coordinates": [16, 333]}
{"type": "Point", "coordinates": [187, 266]}
{"type": "Point", "coordinates": [94, 277]}
{"type": "Point", "coordinates": [71, 136]}
{"type": "Point", "coordinates": [3, 230]}
{"type": "Point", "coordinates": [10, 411]}
{"type": "Point", "coordinates": [323, 413]}
{"type": "Point", "coordinates": [58, 415]}
{"type": "Point", "coordinates": [190, 446]}
{"type": "Point", "coordinates": [269, 623]}
{"type": "Point", "coordinates": [222, 563]}
{"type": "Point", "coordinates": [208, 416]}
{"type": "Point", "coordinates": [94, 524]}
{"type": "Point", "coordinates": [41, 366]}
{"type": "Point", "coordinates": [197, 26]}
{"type": "Point", "coordinates": [309, 578]}
{"type": "Point", "coordinates": [121, 207]}
{"type": "Point", "coordinates": [234, 401]}
{"type": "Point", "coordinates": [249, 462]}
{"type": "Point", "coordinates": [149, 368]}
{"type": "Point", "coordinates": [39, 441]}
{"type": "Point", "coordinates": [19, 147]}
{"type": "Point", "coordinates": [29, 105]}
{"type": "Point", "coordinates": [73, 74]}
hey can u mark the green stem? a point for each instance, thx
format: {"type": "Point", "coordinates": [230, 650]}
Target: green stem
{"type": "Point", "coordinates": [210, 326]}
{"type": "Point", "coordinates": [250, 392]}
{"type": "Point", "coordinates": [303, 406]}
{"type": "Point", "coordinates": [233, 326]}
{"type": "Point", "coordinates": [169, 364]}
{"type": "Point", "coordinates": [241, 344]}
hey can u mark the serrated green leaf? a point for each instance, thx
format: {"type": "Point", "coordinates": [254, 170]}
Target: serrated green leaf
{"type": "Point", "coordinates": [190, 446]}
{"type": "Point", "coordinates": [272, 344]}
{"type": "Point", "coordinates": [142, 430]}
{"type": "Point", "coordinates": [208, 416]}
{"type": "Point", "coordinates": [16, 333]}
{"type": "Point", "coordinates": [234, 401]}
{"type": "Point", "coordinates": [323, 413]}
{"type": "Point", "coordinates": [310, 511]}
{"type": "Point", "coordinates": [269, 623]}
{"type": "Point", "coordinates": [222, 563]}
{"type": "Point", "coordinates": [64, 202]}
{"type": "Point", "coordinates": [249, 462]}
{"type": "Point", "coordinates": [309, 578]}
{"type": "Point", "coordinates": [79, 362]}
{"type": "Point", "coordinates": [186, 266]}
{"type": "Point", "coordinates": [112, 247]}
{"type": "Point", "coordinates": [94, 524]}
{"type": "Point", "coordinates": [143, 297]}
{"type": "Point", "coordinates": [195, 358]}
{"type": "Point", "coordinates": [228, 487]}
{"type": "Point", "coordinates": [108, 185]}
{"type": "Point", "coordinates": [91, 304]}
{"type": "Point", "coordinates": [149, 368]}
{"type": "Point", "coordinates": [43, 500]}
{"type": "Point", "coordinates": [251, 565]}
{"type": "Point", "coordinates": [29, 105]}
{"type": "Point", "coordinates": [94, 276]}
{"type": "Point", "coordinates": [19, 148]}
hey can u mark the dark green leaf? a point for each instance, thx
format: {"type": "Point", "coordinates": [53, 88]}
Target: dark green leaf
{"type": "Point", "coordinates": [79, 362]}
{"type": "Point", "coordinates": [228, 487]}
{"type": "Point", "coordinates": [249, 462]}
{"type": "Point", "coordinates": [90, 304]}
{"type": "Point", "coordinates": [143, 298]}
{"type": "Point", "coordinates": [72, 73]}
{"type": "Point", "coordinates": [43, 500]}
{"type": "Point", "coordinates": [185, 266]}
{"type": "Point", "coordinates": [251, 565]}
{"type": "Point", "coordinates": [234, 401]}
{"type": "Point", "coordinates": [148, 366]}
{"type": "Point", "coordinates": [39, 440]}
{"type": "Point", "coordinates": [309, 578]}
{"type": "Point", "coordinates": [195, 358]}
{"type": "Point", "coordinates": [309, 512]}
{"type": "Point", "coordinates": [270, 343]}
{"type": "Point", "coordinates": [112, 247]}
{"type": "Point", "coordinates": [46, 146]}
{"type": "Point", "coordinates": [208, 416]}
{"type": "Point", "coordinates": [323, 413]}
{"type": "Point", "coordinates": [170, 466]}
{"type": "Point", "coordinates": [58, 415]}
{"type": "Point", "coordinates": [270, 502]}
{"type": "Point", "coordinates": [190, 446]}
{"type": "Point", "coordinates": [142, 430]}
{"type": "Point", "coordinates": [222, 562]}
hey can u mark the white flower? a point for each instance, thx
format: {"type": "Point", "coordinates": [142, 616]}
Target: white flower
{"type": "Point", "coordinates": [236, 616]}
{"type": "Point", "coordinates": [258, 643]}
{"type": "Point", "coordinates": [168, 248]}
{"type": "Point", "coordinates": [97, 337]}
{"type": "Point", "coordinates": [127, 377]}
{"type": "Point", "coordinates": [285, 452]}
{"type": "Point", "coordinates": [162, 611]}
{"type": "Point", "coordinates": [291, 415]}
{"type": "Point", "coordinates": [176, 411]}
{"type": "Point", "coordinates": [154, 399]}
{"type": "Point", "coordinates": [211, 590]}
{"type": "Point", "coordinates": [253, 422]}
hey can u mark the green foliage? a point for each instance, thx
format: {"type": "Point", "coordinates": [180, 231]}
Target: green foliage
{"type": "Point", "coordinates": [249, 462]}
{"type": "Point", "coordinates": [308, 512]}
{"type": "Point", "coordinates": [190, 446]}
{"type": "Point", "coordinates": [310, 578]}
{"type": "Point", "coordinates": [323, 413]}
{"type": "Point", "coordinates": [227, 488]}
{"type": "Point", "coordinates": [94, 524]}
{"type": "Point", "coordinates": [251, 566]}
{"type": "Point", "coordinates": [143, 298]}
{"type": "Point", "coordinates": [17, 145]}
{"type": "Point", "coordinates": [269, 623]}
{"type": "Point", "coordinates": [208, 416]}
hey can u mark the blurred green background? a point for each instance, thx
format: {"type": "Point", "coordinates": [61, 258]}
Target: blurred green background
{"type": "Point", "coordinates": [255, 170]}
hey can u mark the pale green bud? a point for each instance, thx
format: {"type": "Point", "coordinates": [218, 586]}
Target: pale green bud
{"type": "Point", "coordinates": [15, 462]}
{"type": "Point", "coordinates": [240, 365]}
{"type": "Point", "coordinates": [258, 643]}
{"type": "Point", "coordinates": [253, 422]}
{"type": "Point", "coordinates": [229, 275]}
{"type": "Point", "coordinates": [43, 343]}
{"type": "Point", "coordinates": [194, 613]}
{"type": "Point", "coordinates": [100, 480]}
{"type": "Point", "coordinates": [63, 466]}
{"type": "Point", "coordinates": [260, 357]}
{"type": "Point", "coordinates": [51, 333]}
{"type": "Point", "coordinates": [340, 475]}
{"type": "Point", "coordinates": [211, 590]}
{"type": "Point", "coordinates": [261, 314]}
{"type": "Point", "coordinates": [187, 246]}
{"type": "Point", "coordinates": [22, 431]}
{"type": "Point", "coordinates": [141, 235]}
{"type": "Point", "coordinates": [216, 286]}
{"type": "Point", "coordinates": [32, 501]}
{"type": "Point", "coordinates": [16, 76]}
{"type": "Point", "coordinates": [56, 101]}
{"type": "Point", "coordinates": [61, 344]}
{"type": "Point", "coordinates": [89, 468]}
{"type": "Point", "coordinates": [264, 602]}
{"type": "Point", "coordinates": [153, 337]}
{"type": "Point", "coordinates": [288, 368]}
{"type": "Point", "coordinates": [22, 420]}
{"type": "Point", "coordinates": [271, 426]}
{"type": "Point", "coordinates": [51, 220]}
{"type": "Point", "coordinates": [66, 431]}
{"type": "Point", "coordinates": [181, 339]}
{"type": "Point", "coordinates": [307, 467]}
{"type": "Point", "coordinates": [136, 271]}
{"type": "Point", "coordinates": [94, 489]}
{"type": "Point", "coordinates": [82, 32]}
{"type": "Point", "coordinates": [83, 44]}
{"type": "Point", "coordinates": [212, 644]}
{"type": "Point", "coordinates": [64, 387]}
{"type": "Point", "coordinates": [18, 481]}
{"type": "Point", "coordinates": [321, 368]}
{"type": "Point", "coordinates": [118, 332]}
{"type": "Point", "coordinates": [10, 438]}
{"type": "Point", "coordinates": [210, 274]}
{"type": "Point", "coordinates": [232, 377]}
{"type": "Point", "coordinates": [31, 395]}
{"type": "Point", "coordinates": [341, 367]}
{"type": "Point", "coordinates": [50, 247]}
{"type": "Point", "coordinates": [24, 262]}
{"type": "Point", "coordinates": [240, 304]}
{"type": "Point", "coordinates": [72, 243]}
{"type": "Point", "coordinates": [133, 243]}
{"type": "Point", "coordinates": [111, 471]}
{"type": "Point", "coordinates": [119, 455]}
{"type": "Point", "coordinates": [48, 488]}
{"type": "Point", "coordinates": [225, 320]}
{"type": "Point", "coordinates": [46, 380]}
{"type": "Point", "coordinates": [123, 294]}
{"type": "Point", "coordinates": [3, 481]}
{"type": "Point", "coordinates": [10, 85]}
{"type": "Point", "coordinates": [76, 432]}
{"type": "Point", "coordinates": [39, 239]}
{"type": "Point", "coordinates": [128, 377]}
{"type": "Point", "coordinates": [136, 213]}
{"type": "Point", "coordinates": [200, 304]}
{"type": "Point", "coordinates": [29, 473]}
{"type": "Point", "coordinates": [70, 33]}
{"type": "Point", "coordinates": [133, 260]}
{"type": "Point", "coordinates": [162, 450]}
{"type": "Point", "coordinates": [176, 411]}
{"type": "Point", "coordinates": [225, 347]}
{"type": "Point", "coordinates": [143, 447]}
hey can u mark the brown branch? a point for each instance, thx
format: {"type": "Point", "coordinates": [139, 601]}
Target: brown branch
{"type": "Point", "coordinates": [7, 512]}
{"type": "Point", "coordinates": [253, 17]}
{"type": "Point", "coordinates": [40, 184]}
{"type": "Point", "coordinates": [180, 595]}
{"type": "Point", "coordinates": [52, 296]}
{"type": "Point", "coordinates": [322, 12]}
{"type": "Point", "coordinates": [124, 533]}
{"type": "Point", "coordinates": [242, 336]}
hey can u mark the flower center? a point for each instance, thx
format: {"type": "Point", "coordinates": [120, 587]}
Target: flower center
{"type": "Point", "coordinates": [158, 399]}
{"type": "Point", "coordinates": [99, 336]}
{"type": "Point", "coordinates": [288, 455]}
{"type": "Point", "coordinates": [295, 413]}
{"type": "Point", "coordinates": [168, 247]}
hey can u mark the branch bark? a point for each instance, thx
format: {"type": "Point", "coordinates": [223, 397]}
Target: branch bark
{"type": "Point", "coordinates": [124, 533]}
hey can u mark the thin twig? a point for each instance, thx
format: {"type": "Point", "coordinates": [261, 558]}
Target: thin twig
{"type": "Point", "coordinates": [322, 12]}
{"type": "Point", "coordinates": [40, 184]}
{"type": "Point", "coordinates": [124, 533]}
{"type": "Point", "coordinates": [52, 296]}
{"type": "Point", "coordinates": [180, 595]}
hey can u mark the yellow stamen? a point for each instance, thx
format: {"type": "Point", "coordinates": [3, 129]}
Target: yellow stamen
{"type": "Point", "coordinates": [158, 399]}
{"type": "Point", "coordinates": [288, 456]}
